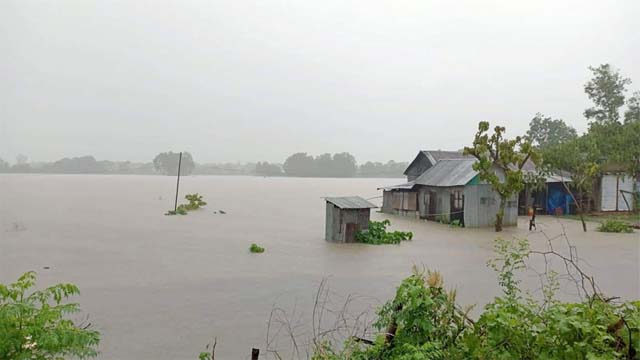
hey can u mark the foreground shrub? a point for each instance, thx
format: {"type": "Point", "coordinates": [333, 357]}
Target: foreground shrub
{"type": "Point", "coordinates": [423, 321]}
{"type": "Point", "coordinates": [33, 325]}
{"type": "Point", "coordinates": [255, 248]}
{"type": "Point", "coordinates": [377, 234]}
{"type": "Point", "coordinates": [615, 226]}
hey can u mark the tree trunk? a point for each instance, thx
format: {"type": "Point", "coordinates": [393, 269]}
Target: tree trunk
{"type": "Point", "coordinates": [500, 214]}
{"type": "Point", "coordinates": [578, 205]}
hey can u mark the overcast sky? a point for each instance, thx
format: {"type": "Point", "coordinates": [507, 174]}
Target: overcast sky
{"type": "Point", "coordinates": [259, 80]}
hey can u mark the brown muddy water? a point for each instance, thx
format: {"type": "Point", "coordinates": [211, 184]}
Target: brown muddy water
{"type": "Point", "coordinates": [161, 287]}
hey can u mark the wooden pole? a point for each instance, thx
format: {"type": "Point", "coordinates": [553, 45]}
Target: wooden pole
{"type": "Point", "coordinates": [255, 353]}
{"type": "Point", "coordinates": [175, 207]}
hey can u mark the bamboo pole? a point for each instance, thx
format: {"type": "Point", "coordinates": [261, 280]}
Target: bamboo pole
{"type": "Point", "coordinates": [175, 206]}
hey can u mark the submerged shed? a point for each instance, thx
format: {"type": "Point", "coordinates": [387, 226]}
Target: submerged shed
{"type": "Point", "coordinates": [345, 217]}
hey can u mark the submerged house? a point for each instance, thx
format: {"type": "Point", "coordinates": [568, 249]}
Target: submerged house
{"type": "Point", "coordinates": [449, 190]}
{"type": "Point", "coordinates": [614, 191]}
{"type": "Point", "coordinates": [345, 216]}
{"type": "Point", "coordinates": [428, 158]}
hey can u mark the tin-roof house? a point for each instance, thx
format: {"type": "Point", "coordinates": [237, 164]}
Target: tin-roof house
{"type": "Point", "coordinates": [449, 191]}
{"type": "Point", "coordinates": [427, 158]}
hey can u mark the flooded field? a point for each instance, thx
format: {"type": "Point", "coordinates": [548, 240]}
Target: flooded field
{"type": "Point", "coordinates": [161, 287]}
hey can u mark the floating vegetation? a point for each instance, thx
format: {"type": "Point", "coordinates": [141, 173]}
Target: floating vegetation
{"type": "Point", "coordinates": [377, 234]}
{"type": "Point", "coordinates": [615, 226]}
{"type": "Point", "coordinates": [256, 249]}
{"type": "Point", "coordinates": [195, 203]}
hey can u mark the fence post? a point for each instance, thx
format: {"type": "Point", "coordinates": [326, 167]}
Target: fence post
{"type": "Point", "coordinates": [255, 353]}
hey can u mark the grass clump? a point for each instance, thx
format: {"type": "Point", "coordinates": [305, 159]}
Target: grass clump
{"type": "Point", "coordinates": [256, 249]}
{"type": "Point", "coordinates": [377, 234]}
{"type": "Point", "coordinates": [615, 226]}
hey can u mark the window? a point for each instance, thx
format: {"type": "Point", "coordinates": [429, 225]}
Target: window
{"type": "Point", "coordinates": [458, 200]}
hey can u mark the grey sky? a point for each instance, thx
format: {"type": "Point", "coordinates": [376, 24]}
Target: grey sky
{"type": "Point", "coordinates": [259, 80]}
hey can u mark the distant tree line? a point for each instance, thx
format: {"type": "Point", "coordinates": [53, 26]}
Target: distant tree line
{"type": "Point", "coordinates": [166, 163]}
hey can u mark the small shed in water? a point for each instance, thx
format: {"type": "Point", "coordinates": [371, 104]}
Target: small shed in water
{"type": "Point", "coordinates": [345, 217]}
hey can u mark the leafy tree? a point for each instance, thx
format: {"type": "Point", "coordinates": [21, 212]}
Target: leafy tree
{"type": "Point", "coordinates": [299, 164]}
{"type": "Point", "coordinates": [606, 89]}
{"type": "Point", "coordinates": [633, 108]}
{"type": "Point", "coordinates": [344, 165]}
{"type": "Point", "coordinates": [78, 165]}
{"type": "Point", "coordinates": [33, 324]}
{"type": "Point", "coordinates": [167, 163]}
{"type": "Point", "coordinates": [544, 131]}
{"type": "Point", "coordinates": [580, 158]}
{"type": "Point", "coordinates": [325, 165]}
{"type": "Point", "coordinates": [500, 163]}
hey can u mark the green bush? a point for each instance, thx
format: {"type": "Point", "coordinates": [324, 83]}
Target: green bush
{"type": "Point", "coordinates": [377, 234]}
{"type": "Point", "coordinates": [195, 203]}
{"type": "Point", "coordinates": [615, 226]}
{"type": "Point", "coordinates": [33, 325]}
{"type": "Point", "coordinates": [254, 248]}
{"type": "Point", "coordinates": [423, 321]}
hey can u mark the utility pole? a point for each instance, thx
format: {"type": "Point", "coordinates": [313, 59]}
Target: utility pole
{"type": "Point", "coordinates": [175, 207]}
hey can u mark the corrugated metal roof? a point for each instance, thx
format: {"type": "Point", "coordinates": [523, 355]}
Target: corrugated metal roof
{"type": "Point", "coordinates": [350, 202]}
{"type": "Point", "coordinates": [438, 155]}
{"type": "Point", "coordinates": [448, 173]}
{"type": "Point", "coordinates": [408, 185]}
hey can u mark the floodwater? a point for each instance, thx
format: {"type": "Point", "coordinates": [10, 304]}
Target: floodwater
{"type": "Point", "coordinates": [161, 287]}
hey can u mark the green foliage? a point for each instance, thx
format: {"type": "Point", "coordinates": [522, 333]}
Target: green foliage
{"type": "Point", "coordinates": [254, 248]}
{"type": "Point", "coordinates": [377, 234]}
{"type": "Point", "coordinates": [33, 323]}
{"type": "Point", "coordinates": [615, 226]}
{"type": "Point", "coordinates": [633, 112]}
{"type": "Point", "coordinates": [606, 89]}
{"type": "Point", "coordinates": [195, 203]}
{"type": "Point", "coordinates": [423, 321]}
{"type": "Point", "coordinates": [544, 131]}
{"type": "Point", "coordinates": [456, 223]}
{"type": "Point", "coordinates": [497, 154]}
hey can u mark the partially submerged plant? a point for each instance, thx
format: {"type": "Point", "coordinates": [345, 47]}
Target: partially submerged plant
{"type": "Point", "coordinates": [255, 248]}
{"type": "Point", "coordinates": [195, 203]}
{"type": "Point", "coordinates": [615, 226]}
{"type": "Point", "coordinates": [377, 234]}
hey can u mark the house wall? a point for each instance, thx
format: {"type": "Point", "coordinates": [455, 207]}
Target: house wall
{"type": "Point", "coordinates": [330, 221]}
{"type": "Point", "coordinates": [610, 198]}
{"type": "Point", "coordinates": [481, 205]}
{"type": "Point", "coordinates": [336, 220]}
{"type": "Point", "coordinates": [442, 199]}
{"type": "Point", "coordinates": [400, 202]}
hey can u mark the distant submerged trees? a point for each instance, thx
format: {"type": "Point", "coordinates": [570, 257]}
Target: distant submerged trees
{"type": "Point", "coordinates": [268, 169]}
{"type": "Point", "coordinates": [325, 165]}
{"type": "Point", "coordinates": [167, 163]}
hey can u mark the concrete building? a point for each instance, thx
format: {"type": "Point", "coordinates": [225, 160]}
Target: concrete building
{"type": "Point", "coordinates": [345, 216]}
